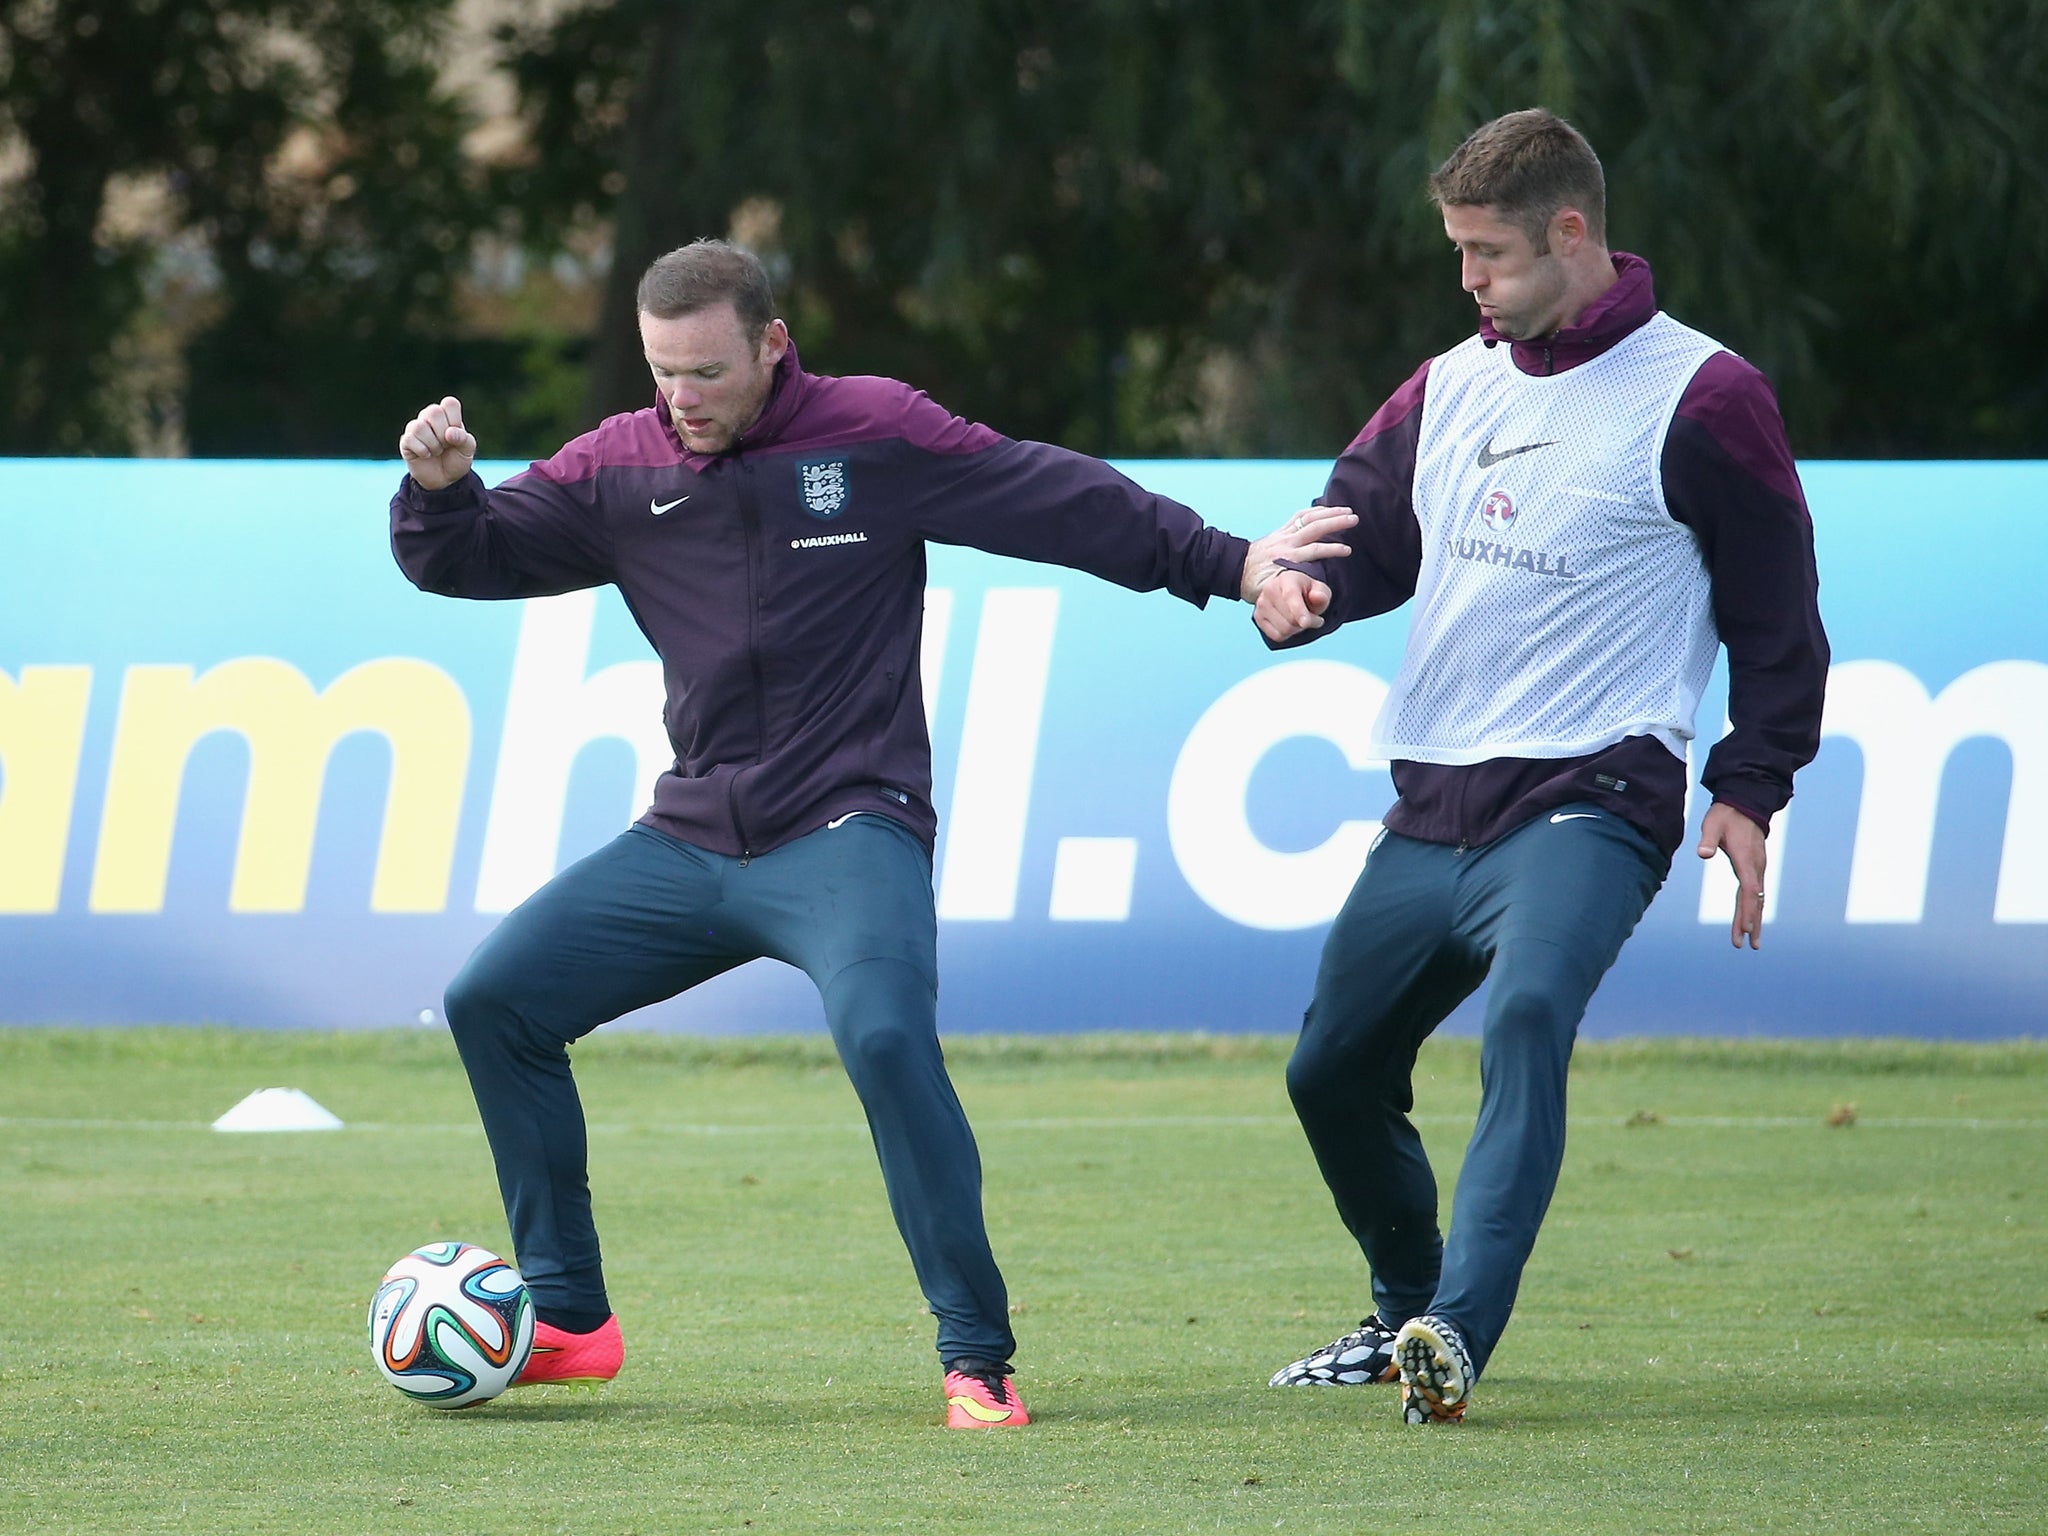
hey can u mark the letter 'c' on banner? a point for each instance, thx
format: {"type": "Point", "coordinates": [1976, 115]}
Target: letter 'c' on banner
{"type": "Point", "coordinates": [1220, 857]}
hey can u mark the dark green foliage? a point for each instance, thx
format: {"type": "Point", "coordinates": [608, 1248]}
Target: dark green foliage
{"type": "Point", "coordinates": [1186, 225]}
{"type": "Point", "coordinates": [1137, 226]}
{"type": "Point", "coordinates": [97, 89]}
{"type": "Point", "coordinates": [339, 296]}
{"type": "Point", "coordinates": [318, 181]}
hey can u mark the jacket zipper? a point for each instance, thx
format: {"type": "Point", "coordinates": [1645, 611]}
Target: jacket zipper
{"type": "Point", "coordinates": [750, 526]}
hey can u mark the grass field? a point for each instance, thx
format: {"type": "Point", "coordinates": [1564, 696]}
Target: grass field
{"type": "Point", "coordinates": [1783, 1288]}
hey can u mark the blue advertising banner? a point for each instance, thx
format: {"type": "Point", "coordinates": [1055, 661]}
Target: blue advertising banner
{"type": "Point", "coordinates": [248, 774]}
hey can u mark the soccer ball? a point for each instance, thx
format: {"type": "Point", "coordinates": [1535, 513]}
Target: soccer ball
{"type": "Point", "coordinates": [451, 1325]}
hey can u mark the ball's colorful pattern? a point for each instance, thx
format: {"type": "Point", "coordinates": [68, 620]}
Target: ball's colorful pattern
{"type": "Point", "coordinates": [451, 1325]}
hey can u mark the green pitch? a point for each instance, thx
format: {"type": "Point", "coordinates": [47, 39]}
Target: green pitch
{"type": "Point", "coordinates": [1782, 1288]}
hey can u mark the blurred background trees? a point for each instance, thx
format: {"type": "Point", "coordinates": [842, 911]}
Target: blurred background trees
{"type": "Point", "coordinates": [1135, 227]}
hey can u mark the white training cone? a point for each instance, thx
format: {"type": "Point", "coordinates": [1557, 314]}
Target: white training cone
{"type": "Point", "coordinates": [277, 1109]}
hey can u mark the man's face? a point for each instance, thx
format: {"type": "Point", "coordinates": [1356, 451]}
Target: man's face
{"type": "Point", "coordinates": [1521, 292]}
{"type": "Point", "coordinates": [714, 380]}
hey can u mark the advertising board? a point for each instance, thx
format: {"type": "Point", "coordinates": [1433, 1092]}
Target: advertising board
{"type": "Point", "coordinates": [248, 774]}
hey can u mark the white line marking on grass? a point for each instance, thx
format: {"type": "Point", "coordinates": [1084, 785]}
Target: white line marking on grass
{"type": "Point", "coordinates": [1578, 1122]}
{"type": "Point", "coordinates": [1093, 1123]}
{"type": "Point", "coordinates": [43, 1123]}
{"type": "Point", "coordinates": [1873, 1122]}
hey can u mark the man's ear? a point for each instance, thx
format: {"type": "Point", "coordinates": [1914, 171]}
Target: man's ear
{"type": "Point", "coordinates": [1567, 230]}
{"type": "Point", "coordinates": [774, 342]}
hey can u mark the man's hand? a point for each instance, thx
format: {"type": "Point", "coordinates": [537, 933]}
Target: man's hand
{"type": "Point", "coordinates": [1291, 603]}
{"type": "Point", "coordinates": [436, 447]}
{"type": "Point", "coordinates": [1305, 536]}
{"type": "Point", "coordinates": [1727, 830]}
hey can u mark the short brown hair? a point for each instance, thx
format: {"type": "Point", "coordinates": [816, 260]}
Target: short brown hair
{"type": "Point", "coordinates": [706, 273]}
{"type": "Point", "coordinates": [1528, 165]}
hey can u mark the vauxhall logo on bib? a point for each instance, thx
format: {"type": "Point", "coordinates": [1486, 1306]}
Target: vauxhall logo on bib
{"type": "Point", "coordinates": [1497, 512]}
{"type": "Point", "coordinates": [823, 484]}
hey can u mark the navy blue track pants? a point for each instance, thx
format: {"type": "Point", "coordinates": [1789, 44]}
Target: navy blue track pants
{"type": "Point", "coordinates": [1545, 909]}
{"type": "Point", "coordinates": [648, 916]}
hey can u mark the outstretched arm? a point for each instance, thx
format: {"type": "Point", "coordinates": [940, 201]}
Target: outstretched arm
{"type": "Point", "coordinates": [1036, 501]}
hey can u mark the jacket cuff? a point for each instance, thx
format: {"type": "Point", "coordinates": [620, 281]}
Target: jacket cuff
{"type": "Point", "coordinates": [465, 492]}
{"type": "Point", "coordinates": [1236, 552]}
{"type": "Point", "coordinates": [1761, 818]}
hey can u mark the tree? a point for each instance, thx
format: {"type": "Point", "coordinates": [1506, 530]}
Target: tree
{"type": "Point", "coordinates": [1136, 226]}
{"type": "Point", "coordinates": [315, 197]}
{"type": "Point", "coordinates": [1146, 225]}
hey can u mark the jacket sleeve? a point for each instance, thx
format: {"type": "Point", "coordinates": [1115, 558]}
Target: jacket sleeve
{"type": "Point", "coordinates": [539, 533]}
{"type": "Point", "coordinates": [1035, 501]}
{"type": "Point", "coordinates": [1375, 477]}
{"type": "Point", "coordinates": [1728, 475]}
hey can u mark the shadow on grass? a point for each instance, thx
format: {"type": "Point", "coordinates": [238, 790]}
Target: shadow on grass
{"type": "Point", "coordinates": [584, 1408]}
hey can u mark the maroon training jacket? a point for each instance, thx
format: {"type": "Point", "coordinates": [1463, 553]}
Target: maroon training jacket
{"type": "Point", "coordinates": [782, 581]}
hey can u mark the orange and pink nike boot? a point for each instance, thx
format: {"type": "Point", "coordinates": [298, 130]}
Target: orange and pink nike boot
{"type": "Point", "coordinates": [569, 1359]}
{"type": "Point", "coordinates": [980, 1395]}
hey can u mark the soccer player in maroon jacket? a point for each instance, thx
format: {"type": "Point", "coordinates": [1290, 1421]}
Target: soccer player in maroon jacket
{"type": "Point", "coordinates": [766, 527]}
{"type": "Point", "coordinates": [1585, 501]}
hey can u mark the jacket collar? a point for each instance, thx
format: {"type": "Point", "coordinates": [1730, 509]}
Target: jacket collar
{"type": "Point", "coordinates": [1627, 306]}
{"type": "Point", "coordinates": [785, 394]}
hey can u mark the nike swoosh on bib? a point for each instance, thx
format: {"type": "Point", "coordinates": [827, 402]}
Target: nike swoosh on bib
{"type": "Point", "coordinates": [1488, 458]}
{"type": "Point", "coordinates": [1573, 816]}
{"type": "Point", "coordinates": [659, 507]}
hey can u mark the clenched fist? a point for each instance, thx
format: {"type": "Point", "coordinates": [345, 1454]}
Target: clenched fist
{"type": "Point", "coordinates": [1292, 603]}
{"type": "Point", "coordinates": [436, 447]}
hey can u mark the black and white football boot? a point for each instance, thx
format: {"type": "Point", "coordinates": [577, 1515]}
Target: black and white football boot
{"type": "Point", "coordinates": [1436, 1371]}
{"type": "Point", "coordinates": [1361, 1358]}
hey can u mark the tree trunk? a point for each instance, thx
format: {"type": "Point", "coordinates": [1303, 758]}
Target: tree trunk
{"type": "Point", "coordinates": [67, 303]}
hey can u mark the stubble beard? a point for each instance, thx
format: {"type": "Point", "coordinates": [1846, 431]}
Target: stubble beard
{"type": "Point", "coordinates": [1519, 327]}
{"type": "Point", "coordinates": [722, 436]}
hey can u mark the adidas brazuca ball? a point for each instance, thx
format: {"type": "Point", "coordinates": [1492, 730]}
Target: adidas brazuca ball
{"type": "Point", "coordinates": [451, 1325]}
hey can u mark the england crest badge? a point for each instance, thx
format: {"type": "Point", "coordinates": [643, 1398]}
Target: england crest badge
{"type": "Point", "coordinates": [823, 483]}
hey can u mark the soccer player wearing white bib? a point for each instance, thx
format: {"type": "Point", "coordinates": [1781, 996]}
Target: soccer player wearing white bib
{"type": "Point", "coordinates": [1585, 501]}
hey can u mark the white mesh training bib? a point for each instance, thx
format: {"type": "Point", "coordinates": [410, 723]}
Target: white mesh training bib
{"type": "Point", "coordinates": [1559, 608]}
